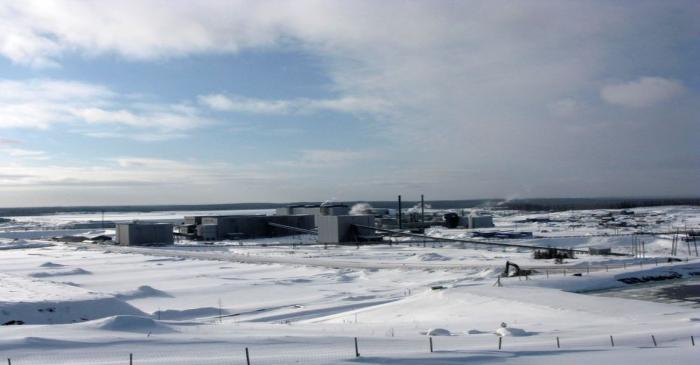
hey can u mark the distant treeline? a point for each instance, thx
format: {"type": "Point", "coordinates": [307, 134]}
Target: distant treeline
{"type": "Point", "coordinates": [443, 204]}
{"type": "Point", "coordinates": [554, 204]}
{"type": "Point", "coordinates": [547, 204]}
{"type": "Point", "coordinates": [132, 208]}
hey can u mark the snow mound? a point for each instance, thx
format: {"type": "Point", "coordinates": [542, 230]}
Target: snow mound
{"type": "Point", "coordinates": [475, 332]}
{"type": "Point", "coordinates": [126, 323]}
{"type": "Point", "coordinates": [358, 298]}
{"type": "Point", "coordinates": [433, 257]}
{"type": "Point", "coordinates": [45, 274]}
{"type": "Point", "coordinates": [51, 264]}
{"type": "Point", "coordinates": [22, 244]}
{"type": "Point", "coordinates": [64, 311]}
{"type": "Point", "coordinates": [30, 301]}
{"type": "Point", "coordinates": [438, 332]}
{"type": "Point", "coordinates": [143, 291]}
{"type": "Point", "coordinates": [513, 332]}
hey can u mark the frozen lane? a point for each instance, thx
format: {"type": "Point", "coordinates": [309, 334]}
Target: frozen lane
{"type": "Point", "coordinates": [299, 261]}
{"type": "Point", "coordinates": [220, 254]}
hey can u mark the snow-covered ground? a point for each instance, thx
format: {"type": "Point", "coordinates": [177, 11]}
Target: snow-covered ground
{"type": "Point", "coordinates": [204, 304]}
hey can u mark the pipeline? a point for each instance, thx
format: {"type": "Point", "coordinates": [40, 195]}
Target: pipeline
{"type": "Point", "coordinates": [479, 242]}
{"type": "Point", "coordinates": [291, 228]}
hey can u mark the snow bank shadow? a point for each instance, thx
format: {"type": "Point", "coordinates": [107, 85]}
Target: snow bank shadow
{"type": "Point", "coordinates": [187, 314]}
{"type": "Point", "coordinates": [51, 264]}
{"type": "Point", "coordinates": [456, 357]}
{"type": "Point", "coordinates": [46, 274]}
{"type": "Point", "coordinates": [167, 259]}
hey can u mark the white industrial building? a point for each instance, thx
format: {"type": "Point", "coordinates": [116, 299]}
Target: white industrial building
{"type": "Point", "coordinates": [317, 210]}
{"type": "Point", "coordinates": [345, 228]}
{"type": "Point", "coordinates": [480, 221]}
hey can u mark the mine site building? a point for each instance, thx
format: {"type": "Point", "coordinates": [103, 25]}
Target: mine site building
{"type": "Point", "coordinates": [346, 229]}
{"type": "Point", "coordinates": [144, 234]}
{"type": "Point", "coordinates": [251, 226]}
{"type": "Point", "coordinates": [317, 210]}
{"type": "Point", "coordinates": [480, 221]}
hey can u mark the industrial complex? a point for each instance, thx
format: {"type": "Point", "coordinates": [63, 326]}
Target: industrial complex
{"type": "Point", "coordinates": [331, 223]}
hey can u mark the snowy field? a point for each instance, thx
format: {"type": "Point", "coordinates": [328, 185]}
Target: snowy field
{"type": "Point", "coordinates": [194, 303]}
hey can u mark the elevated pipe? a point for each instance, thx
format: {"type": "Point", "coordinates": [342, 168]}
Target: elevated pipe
{"type": "Point", "coordinates": [291, 228]}
{"type": "Point", "coordinates": [479, 242]}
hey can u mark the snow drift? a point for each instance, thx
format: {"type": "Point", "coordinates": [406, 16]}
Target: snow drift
{"type": "Point", "coordinates": [129, 323]}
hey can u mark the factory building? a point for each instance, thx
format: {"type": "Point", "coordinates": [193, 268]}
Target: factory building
{"type": "Point", "coordinates": [480, 221]}
{"type": "Point", "coordinates": [317, 210]}
{"type": "Point", "coordinates": [344, 229]}
{"type": "Point", "coordinates": [144, 234]}
{"type": "Point", "coordinates": [213, 228]}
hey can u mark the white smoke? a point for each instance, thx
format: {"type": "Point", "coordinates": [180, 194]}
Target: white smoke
{"type": "Point", "coordinates": [330, 201]}
{"type": "Point", "coordinates": [361, 209]}
{"type": "Point", "coordinates": [416, 208]}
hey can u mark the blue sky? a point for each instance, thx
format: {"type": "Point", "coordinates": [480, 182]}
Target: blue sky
{"type": "Point", "coordinates": [145, 102]}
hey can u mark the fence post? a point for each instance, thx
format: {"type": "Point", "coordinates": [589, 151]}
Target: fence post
{"type": "Point", "coordinates": [357, 350]}
{"type": "Point", "coordinates": [131, 359]}
{"type": "Point", "coordinates": [431, 343]}
{"type": "Point", "coordinates": [9, 362]}
{"type": "Point", "coordinates": [692, 340]}
{"type": "Point", "coordinates": [247, 356]}
{"type": "Point", "coordinates": [500, 341]}
{"type": "Point", "coordinates": [558, 342]}
{"type": "Point", "coordinates": [653, 339]}
{"type": "Point", "coordinates": [612, 342]}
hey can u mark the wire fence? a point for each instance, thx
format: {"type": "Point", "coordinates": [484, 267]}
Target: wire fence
{"type": "Point", "coordinates": [354, 348]}
{"type": "Point", "coordinates": [588, 267]}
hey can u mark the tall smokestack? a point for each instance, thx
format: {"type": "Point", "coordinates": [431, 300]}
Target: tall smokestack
{"type": "Point", "coordinates": [422, 209]}
{"type": "Point", "coordinates": [399, 213]}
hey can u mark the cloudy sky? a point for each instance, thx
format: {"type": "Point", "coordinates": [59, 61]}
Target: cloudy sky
{"type": "Point", "coordinates": [144, 102]}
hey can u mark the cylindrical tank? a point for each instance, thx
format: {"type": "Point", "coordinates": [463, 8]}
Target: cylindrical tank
{"type": "Point", "coordinates": [451, 220]}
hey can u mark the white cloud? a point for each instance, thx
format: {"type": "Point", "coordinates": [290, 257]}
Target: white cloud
{"type": "Point", "coordinates": [454, 85]}
{"type": "Point", "coordinates": [333, 156]}
{"type": "Point", "coordinates": [644, 92]}
{"type": "Point", "coordinates": [566, 107]}
{"type": "Point", "coordinates": [326, 158]}
{"type": "Point", "coordinates": [129, 171]}
{"type": "Point", "coordinates": [246, 105]}
{"type": "Point", "coordinates": [8, 142]}
{"type": "Point", "coordinates": [36, 33]}
{"type": "Point", "coordinates": [346, 104]}
{"type": "Point", "coordinates": [42, 103]}
{"type": "Point", "coordinates": [25, 154]}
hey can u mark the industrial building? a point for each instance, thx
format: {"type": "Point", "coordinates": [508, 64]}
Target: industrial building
{"type": "Point", "coordinates": [212, 228]}
{"type": "Point", "coordinates": [345, 229]}
{"type": "Point", "coordinates": [144, 234]}
{"type": "Point", "coordinates": [317, 210]}
{"type": "Point", "coordinates": [480, 221]}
